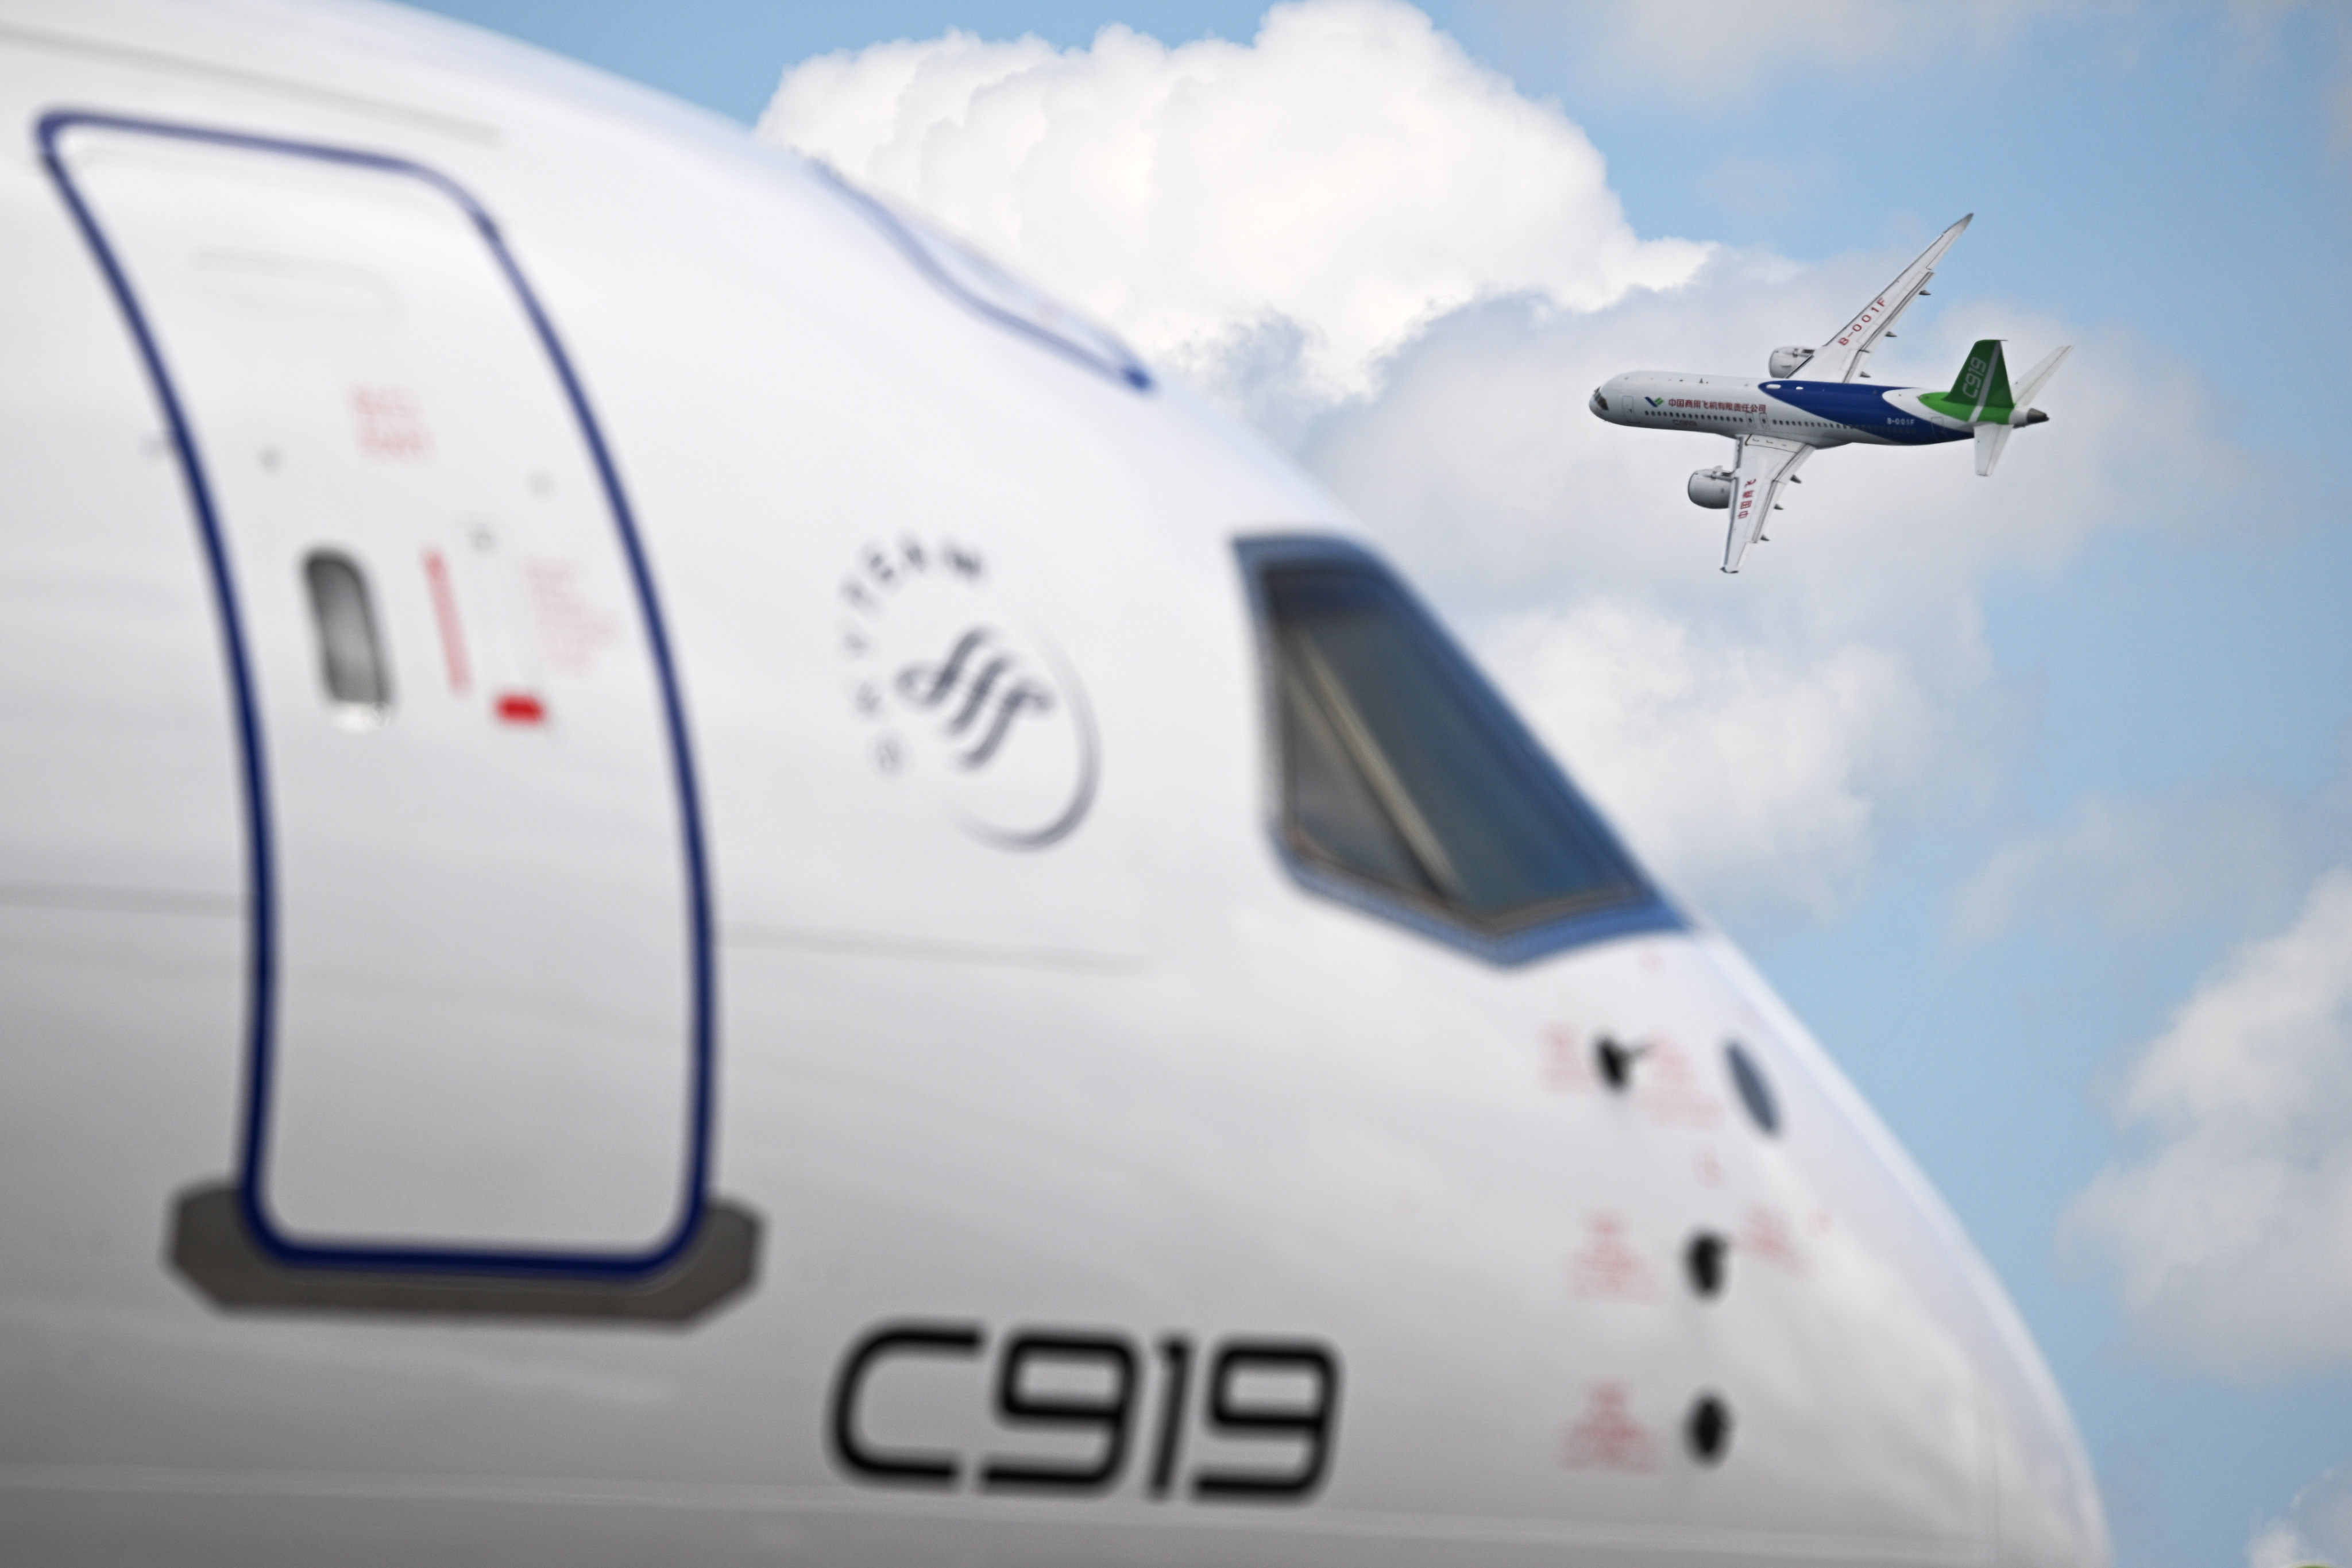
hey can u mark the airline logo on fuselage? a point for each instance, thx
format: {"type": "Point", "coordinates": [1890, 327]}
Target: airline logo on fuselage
{"type": "Point", "coordinates": [977, 692]}
{"type": "Point", "coordinates": [961, 699]}
{"type": "Point", "coordinates": [1720, 408]}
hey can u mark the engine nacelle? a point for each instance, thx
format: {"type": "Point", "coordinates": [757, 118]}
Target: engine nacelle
{"type": "Point", "coordinates": [1787, 360]}
{"type": "Point", "coordinates": [1712, 487]}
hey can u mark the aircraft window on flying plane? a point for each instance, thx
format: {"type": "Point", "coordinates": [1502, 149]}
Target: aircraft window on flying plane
{"type": "Point", "coordinates": [1403, 775]}
{"type": "Point", "coordinates": [351, 658]}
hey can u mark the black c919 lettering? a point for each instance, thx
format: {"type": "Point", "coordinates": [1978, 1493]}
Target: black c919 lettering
{"type": "Point", "coordinates": [1093, 1384]}
{"type": "Point", "coordinates": [1018, 1404]}
{"type": "Point", "coordinates": [1310, 1420]}
{"type": "Point", "coordinates": [850, 1448]}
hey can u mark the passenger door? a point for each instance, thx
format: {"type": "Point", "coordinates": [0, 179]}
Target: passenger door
{"type": "Point", "coordinates": [480, 965]}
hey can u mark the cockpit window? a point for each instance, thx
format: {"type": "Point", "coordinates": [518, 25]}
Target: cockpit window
{"type": "Point", "coordinates": [1403, 779]}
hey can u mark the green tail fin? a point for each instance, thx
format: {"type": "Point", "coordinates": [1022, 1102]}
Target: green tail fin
{"type": "Point", "coordinates": [1982, 390]}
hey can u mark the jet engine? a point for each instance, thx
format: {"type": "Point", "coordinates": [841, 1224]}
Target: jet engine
{"type": "Point", "coordinates": [1712, 487]}
{"type": "Point", "coordinates": [1787, 360]}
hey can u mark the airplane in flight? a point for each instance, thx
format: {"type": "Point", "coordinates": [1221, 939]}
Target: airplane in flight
{"type": "Point", "coordinates": [1814, 399]}
{"type": "Point", "coordinates": [687, 879]}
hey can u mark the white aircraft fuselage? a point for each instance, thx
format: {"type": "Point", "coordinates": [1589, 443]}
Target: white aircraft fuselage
{"type": "Point", "coordinates": [1817, 414]}
{"type": "Point", "coordinates": [683, 879]}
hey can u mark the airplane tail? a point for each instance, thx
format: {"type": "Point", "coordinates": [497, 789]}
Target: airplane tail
{"type": "Point", "coordinates": [1982, 389]}
{"type": "Point", "coordinates": [1982, 397]}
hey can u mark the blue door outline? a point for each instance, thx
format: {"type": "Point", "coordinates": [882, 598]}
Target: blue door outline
{"type": "Point", "coordinates": [261, 994]}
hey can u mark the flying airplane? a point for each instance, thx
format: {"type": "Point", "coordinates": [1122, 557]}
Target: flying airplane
{"type": "Point", "coordinates": [1814, 400]}
{"type": "Point", "coordinates": [687, 879]}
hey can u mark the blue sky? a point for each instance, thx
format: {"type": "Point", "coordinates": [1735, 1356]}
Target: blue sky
{"type": "Point", "coordinates": [2142, 765]}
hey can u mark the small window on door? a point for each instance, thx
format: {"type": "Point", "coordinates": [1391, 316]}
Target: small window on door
{"type": "Point", "coordinates": [351, 656]}
{"type": "Point", "coordinates": [1407, 786]}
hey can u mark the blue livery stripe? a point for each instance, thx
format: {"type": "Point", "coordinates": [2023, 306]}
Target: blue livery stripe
{"type": "Point", "coordinates": [1863, 408]}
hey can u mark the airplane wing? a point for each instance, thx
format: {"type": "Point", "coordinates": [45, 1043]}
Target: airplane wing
{"type": "Point", "coordinates": [1841, 358]}
{"type": "Point", "coordinates": [1765, 464]}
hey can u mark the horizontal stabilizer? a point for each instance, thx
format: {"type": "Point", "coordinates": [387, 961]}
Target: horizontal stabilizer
{"type": "Point", "coordinates": [2039, 377]}
{"type": "Point", "coordinates": [1990, 440]}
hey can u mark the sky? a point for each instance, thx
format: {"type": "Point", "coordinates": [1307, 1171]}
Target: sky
{"type": "Point", "coordinates": [2032, 795]}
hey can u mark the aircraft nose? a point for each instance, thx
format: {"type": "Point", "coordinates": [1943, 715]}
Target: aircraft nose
{"type": "Point", "coordinates": [2048, 1504]}
{"type": "Point", "coordinates": [1923, 1377]}
{"type": "Point", "coordinates": [1599, 404]}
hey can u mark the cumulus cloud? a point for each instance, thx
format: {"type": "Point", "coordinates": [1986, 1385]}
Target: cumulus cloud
{"type": "Point", "coordinates": [2230, 1224]}
{"type": "Point", "coordinates": [1717, 756]}
{"type": "Point", "coordinates": [2315, 1529]}
{"type": "Point", "coordinates": [1836, 688]}
{"type": "Point", "coordinates": [1481, 424]}
{"type": "Point", "coordinates": [2151, 865]}
{"type": "Point", "coordinates": [1320, 194]}
{"type": "Point", "coordinates": [1379, 250]}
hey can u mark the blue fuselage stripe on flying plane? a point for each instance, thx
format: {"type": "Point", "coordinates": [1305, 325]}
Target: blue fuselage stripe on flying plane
{"type": "Point", "coordinates": [1863, 408]}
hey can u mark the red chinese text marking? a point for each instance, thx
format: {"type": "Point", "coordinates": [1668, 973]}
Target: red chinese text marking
{"type": "Point", "coordinates": [1607, 1438]}
{"type": "Point", "coordinates": [391, 422]}
{"type": "Point", "coordinates": [445, 616]}
{"type": "Point", "coordinates": [1608, 1269]}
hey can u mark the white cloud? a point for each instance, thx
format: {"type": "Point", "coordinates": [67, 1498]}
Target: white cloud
{"type": "Point", "coordinates": [2230, 1226]}
{"type": "Point", "coordinates": [1481, 424]}
{"type": "Point", "coordinates": [1746, 771]}
{"type": "Point", "coordinates": [2139, 867]}
{"type": "Point", "coordinates": [1839, 685]}
{"type": "Point", "coordinates": [2315, 1529]}
{"type": "Point", "coordinates": [1331, 188]}
{"type": "Point", "coordinates": [1380, 252]}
